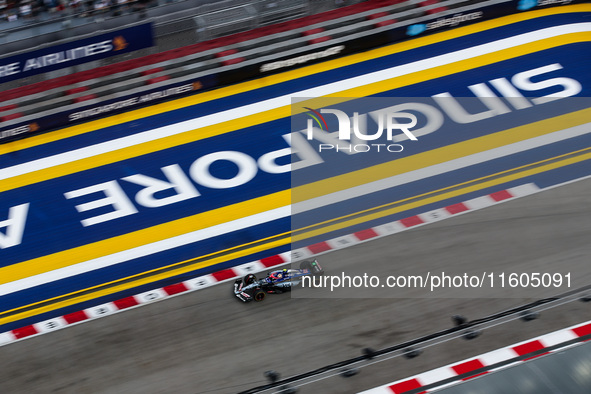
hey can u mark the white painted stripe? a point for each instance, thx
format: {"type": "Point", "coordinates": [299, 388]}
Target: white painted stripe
{"type": "Point", "coordinates": [436, 375]}
{"type": "Point", "coordinates": [524, 190]}
{"type": "Point", "coordinates": [150, 296]}
{"type": "Point", "coordinates": [144, 250]}
{"type": "Point", "coordinates": [434, 215]}
{"type": "Point", "coordinates": [378, 390]}
{"type": "Point", "coordinates": [286, 256]}
{"type": "Point", "coordinates": [300, 254]}
{"type": "Point", "coordinates": [438, 169]}
{"type": "Point", "coordinates": [389, 228]}
{"type": "Point", "coordinates": [100, 310]}
{"type": "Point", "coordinates": [342, 242]}
{"type": "Point", "coordinates": [497, 356]}
{"type": "Point", "coordinates": [249, 268]}
{"type": "Point", "coordinates": [200, 282]}
{"type": "Point", "coordinates": [267, 216]}
{"type": "Point", "coordinates": [6, 337]}
{"type": "Point", "coordinates": [247, 110]}
{"type": "Point", "coordinates": [556, 338]}
{"type": "Point", "coordinates": [50, 325]}
{"type": "Point", "coordinates": [479, 202]}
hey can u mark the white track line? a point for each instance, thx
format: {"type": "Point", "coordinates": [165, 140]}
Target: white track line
{"type": "Point", "coordinates": [144, 250]}
{"type": "Point", "coordinates": [442, 168]}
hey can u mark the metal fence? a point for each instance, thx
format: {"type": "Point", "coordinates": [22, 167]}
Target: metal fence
{"type": "Point", "coordinates": [211, 15]}
{"type": "Point", "coordinates": [225, 17]}
{"type": "Point", "coordinates": [176, 25]}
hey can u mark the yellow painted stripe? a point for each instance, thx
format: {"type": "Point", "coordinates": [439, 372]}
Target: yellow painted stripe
{"type": "Point", "coordinates": [285, 76]}
{"type": "Point", "coordinates": [272, 242]}
{"type": "Point", "coordinates": [143, 237]}
{"type": "Point", "coordinates": [301, 193]}
{"type": "Point", "coordinates": [443, 196]}
{"type": "Point", "coordinates": [263, 117]}
{"type": "Point", "coordinates": [124, 286]}
{"type": "Point", "coordinates": [439, 197]}
{"type": "Point", "coordinates": [439, 155]}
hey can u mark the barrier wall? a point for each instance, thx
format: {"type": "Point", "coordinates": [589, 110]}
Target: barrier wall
{"type": "Point", "coordinates": [76, 52]}
{"type": "Point", "coordinates": [264, 67]}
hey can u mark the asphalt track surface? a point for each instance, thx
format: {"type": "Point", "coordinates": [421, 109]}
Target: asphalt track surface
{"type": "Point", "coordinates": [208, 342]}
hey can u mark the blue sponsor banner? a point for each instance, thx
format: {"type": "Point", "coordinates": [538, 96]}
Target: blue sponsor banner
{"type": "Point", "coordinates": [106, 107]}
{"type": "Point", "coordinates": [183, 178]}
{"type": "Point", "coordinates": [461, 18]}
{"type": "Point", "coordinates": [76, 52]}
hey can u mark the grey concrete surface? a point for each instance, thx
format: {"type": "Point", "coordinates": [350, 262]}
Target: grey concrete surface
{"type": "Point", "coordinates": [208, 342]}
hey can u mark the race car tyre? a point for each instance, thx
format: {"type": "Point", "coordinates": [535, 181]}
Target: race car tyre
{"type": "Point", "coordinates": [248, 279]}
{"type": "Point", "coordinates": [259, 295]}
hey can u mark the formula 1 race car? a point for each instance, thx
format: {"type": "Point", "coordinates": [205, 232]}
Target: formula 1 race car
{"type": "Point", "coordinates": [276, 282]}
